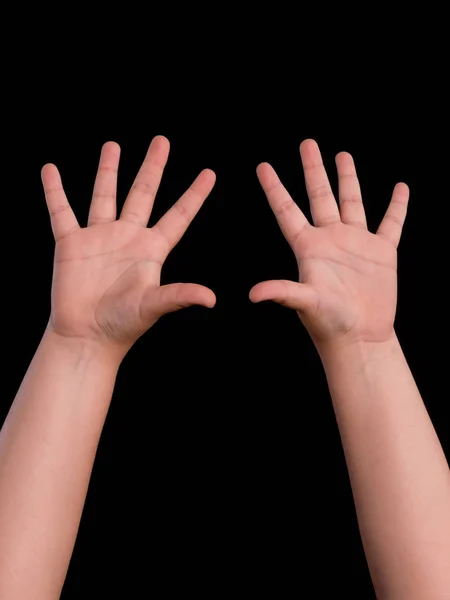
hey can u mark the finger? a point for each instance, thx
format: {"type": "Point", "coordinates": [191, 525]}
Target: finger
{"type": "Point", "coordinates": [289, 216]}
{"type": "Point", "coordinates": [103, 204]}
{"type": "Point", "coordinates": [324, 209]}
{"type": "Point", "coordinates": [139, 203]}
{"type": "Point", "coordinates": [350, 200]}
{"type": "Point", "coordinates": [298, 296]}
{"type": "Point", "coordinates": [176, 220]}
{"type": "Point", "coordinates": [392, 224]}
{"type": "Point", "coordinates": [175, 296]}
{"type": "Point", "coordinates": [62, 218]}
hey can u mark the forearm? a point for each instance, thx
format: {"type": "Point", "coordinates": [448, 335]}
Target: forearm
{"type": "Point", "coordinates": [47, 448]}
{"type": "Point", "coordinates": [398, 471]}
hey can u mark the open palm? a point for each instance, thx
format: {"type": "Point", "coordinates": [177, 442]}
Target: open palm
{"type": "Point", "coordinates": [347, 286]}
{"type": "Point", "coordinates": [106, 279]}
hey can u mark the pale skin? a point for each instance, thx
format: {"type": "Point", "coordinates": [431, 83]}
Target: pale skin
{"type": "Point", "coordinates": [346, 297]}
{"type": "Point", "coordinates": [123, 256]}
{"type": "Point", "coordinates": [106, 293]}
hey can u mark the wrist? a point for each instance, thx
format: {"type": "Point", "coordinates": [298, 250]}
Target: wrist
{"type": "Point", "coordinates": [83, 350]}
{"type": "Point", "coordinates": [358, 351]}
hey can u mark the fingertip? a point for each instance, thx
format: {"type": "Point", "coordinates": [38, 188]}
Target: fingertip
{"type": "Point", "coordinates": [251, 296]}
{"type": "Point", "coordinates": [263, 167]}
{"type": "Point", "coordinates": [343, 156]}
{"type": "Point", "coordinates": [211, 300]}
{"type": "Point", "coordinates": [267, 175]}
{"type": "Point", "coordinates": [209, 174]}
{"type": "Point", "coordinates": [161, 140]}
{"type": "Point", "coordinates": [48, 166]}
{"type": "Point", "coordinates": [255, 294]}
{"type": "Point", "coordinates": [308, 144]}
{"type": "Point", "coordinates": [402, 188]}
{"type": "Point", "coordinates": [49, 170]}
{"type": "Point", "coordinates": [400, 195]}
{"type": "Point", "coordinates": [202, 296]}
{"type": "Point", "coordinates": [111, 146]}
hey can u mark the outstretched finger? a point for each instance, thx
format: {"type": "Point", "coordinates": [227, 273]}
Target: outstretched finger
{"type": "Point", "coordinates": [62, 218]}
{"type": "Point", "coordinates": [324, 209]}
{"type": "Point", "coordinates": [139, 203]}
{"type": "Point", "coordinates": [177, 219]}
{"type": "Point", "coordinates": [290, 218]}
{"type": "Point", "coordinates": [103, 204]}
{"type": "Point", "coordinates": [350, 200]}
{"type": "Point", "coordinates": [392, 224]}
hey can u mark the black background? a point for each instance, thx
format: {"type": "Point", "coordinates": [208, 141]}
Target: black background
{"type": "Point", "coordinates": [220, 467]}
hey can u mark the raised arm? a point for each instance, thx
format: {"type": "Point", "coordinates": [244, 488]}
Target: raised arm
{"type": "Point", "coordinates": [346, 297]}
{"type": "Point", "coordinates": [106, 293]}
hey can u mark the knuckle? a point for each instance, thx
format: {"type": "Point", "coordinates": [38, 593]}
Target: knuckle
{"type": "Point", "coordinates": [298, 234]}
{"type": "Point", "coordinates": [182, 210]}
{"type": "Point", "coordinates": [104, 194]}
{"type": "Point", "coordinates": [68, 232]}
{"type": "Point", "coordinates": [97, 219]}
{"type": "Point", "coordinates": [353, 223]}
{"type": "Point", "coordinates": [134, 217]}
{"type": "Point", "coordinates": [328, 219]}
{"type": "Point", "coordinates": [296, 237]}
{"type": "Point", "coordinates": [286, 205]}
{"type": "Point", "coordinates": [272, 186]}
{"type": "Point", "coordinates": [320, 191]}
{"type": "Point", "coordinates": [150, 168]}
{"type": "Point", "coordinates": [143, 186]}
{"type": "Point", "coordinates": [351, 199]}
{"type": "Point", "coordinates": [57, 210]}
{"type": "Point", "coordinates": [348, 175]}
{"type": "Point", "coordinates": [318, 166]}
{"type": "Point", "coordinates": [107, 169]}
{"type": "Point", "coordinates": [52, 191]}
{"type": "Point", "coordinates": [400, 204]}
{"type": "Point", "coordinates": [390, 216]}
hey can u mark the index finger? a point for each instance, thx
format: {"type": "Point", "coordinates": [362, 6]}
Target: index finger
{"type": "Point", "coordinates": [62, 217]}
{"type": "Point", "coordinates": [290, 218]}
{"type": "Point", "coordinates": [174, 223]}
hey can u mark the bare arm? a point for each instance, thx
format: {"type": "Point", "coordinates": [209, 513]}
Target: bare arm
{"type": "Point", "coordinates": [47, 449]}
{"type": "Point", "coordinates": [399, 475]}
{"type": "Point", "coordinates": [346, 297]}
{"type": "Point", "coordinates": [106, 293]}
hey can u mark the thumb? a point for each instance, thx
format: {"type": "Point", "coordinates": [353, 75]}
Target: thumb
{"type": "Point", "coordinates": [299, 296]}
{"type": "Point", "coordinates": [174, 296]}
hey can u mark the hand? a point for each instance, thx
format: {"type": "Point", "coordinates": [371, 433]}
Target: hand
{"type": "Point", "coordinates": [106, 279]}
{"type": "Point", "coordinates": [347, 288]}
